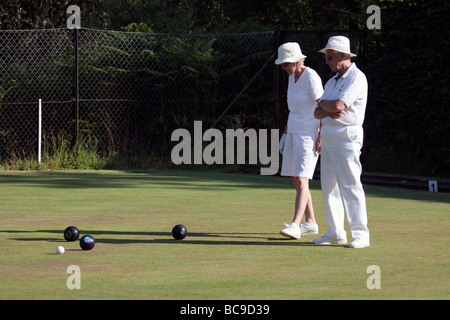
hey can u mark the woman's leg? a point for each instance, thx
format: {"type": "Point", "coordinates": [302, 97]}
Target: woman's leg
{"type": "Point", "coordinates": [303, 201]}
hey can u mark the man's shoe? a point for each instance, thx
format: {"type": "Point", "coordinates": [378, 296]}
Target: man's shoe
{"type": "Point", "coordinates": [309, 228]}
{"type": "Point", "coordinates": [326, 240]}
{"type": "Point", "coordinates": [291, 231]}
{"type": "Point", "coordinates": [359, 243]}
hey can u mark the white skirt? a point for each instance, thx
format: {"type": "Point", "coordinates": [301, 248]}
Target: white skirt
{"type": "Point", "coordinates": [299, 155]}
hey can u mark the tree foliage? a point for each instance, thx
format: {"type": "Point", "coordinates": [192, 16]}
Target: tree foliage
{"type": "Point", "coordinates": [407, 121]}
{"type": "Point", "coordinates": [408, 74]}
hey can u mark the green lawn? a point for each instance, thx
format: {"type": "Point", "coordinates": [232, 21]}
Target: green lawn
{"type": "Point", "coordinates": [232, 251]}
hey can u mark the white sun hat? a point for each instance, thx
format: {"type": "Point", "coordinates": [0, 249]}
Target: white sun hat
{"type": "Point", "coordinates": [340, 44]}
{"type": "Point", "coordinates": [289, 52]}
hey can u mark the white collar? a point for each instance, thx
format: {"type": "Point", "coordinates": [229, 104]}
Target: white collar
{"type": "Point", "coordinates": [346, 73]}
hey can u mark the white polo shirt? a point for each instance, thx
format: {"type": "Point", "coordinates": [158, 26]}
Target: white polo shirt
{"type": "Point", "coordinates": [301, 98]}
{"type": "Point", "coordinates": [351, 89]}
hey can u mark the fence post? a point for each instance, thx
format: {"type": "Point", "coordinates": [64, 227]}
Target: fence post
{"type": "Point", "coordinates": [76, 85]}
{"type": "Point", "coordinates": [40, 131]}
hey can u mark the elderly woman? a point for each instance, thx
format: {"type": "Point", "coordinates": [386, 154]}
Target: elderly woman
{"type": "Point", "coordinates": [302, 142]}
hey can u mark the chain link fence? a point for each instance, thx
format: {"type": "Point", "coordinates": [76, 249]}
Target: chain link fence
{"type": "Point", "coordinates": [127, 91]}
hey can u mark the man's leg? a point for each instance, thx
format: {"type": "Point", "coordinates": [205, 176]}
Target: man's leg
{"type": "Point", "coordinates": [334, 209]}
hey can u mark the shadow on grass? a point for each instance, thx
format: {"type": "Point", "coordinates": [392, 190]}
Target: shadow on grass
{"type": "Point", "coordinates": [173, 179]}
{"type": "Point", "coordinates": [185, 179]}
{"type": "Point", "coordinates": [194, 238]}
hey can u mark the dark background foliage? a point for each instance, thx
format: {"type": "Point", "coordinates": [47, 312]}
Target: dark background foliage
{"type": "Point", "coordinates": [406, 61]}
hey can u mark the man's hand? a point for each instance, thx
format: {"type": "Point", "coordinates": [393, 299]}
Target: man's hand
{"type": "Point", "coordinates": [319, 113]}
{"type": "Point", "coordinates": [336, 115]}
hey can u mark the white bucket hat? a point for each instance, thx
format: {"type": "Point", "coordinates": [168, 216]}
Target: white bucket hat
{"type": "Point", "coordinates": [289, 52]}
{"type": "Point", "coordinates": [340, 44]}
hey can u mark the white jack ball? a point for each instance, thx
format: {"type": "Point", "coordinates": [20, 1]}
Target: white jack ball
{"type": "Point", "coordinates": [60, 250]}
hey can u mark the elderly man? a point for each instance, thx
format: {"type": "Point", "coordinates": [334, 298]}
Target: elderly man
{"type": "Point", "coordinates": [341, 110]}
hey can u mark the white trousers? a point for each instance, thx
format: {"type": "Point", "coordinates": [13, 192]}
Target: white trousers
{"type": "Point", "coordinates": [340, 175]}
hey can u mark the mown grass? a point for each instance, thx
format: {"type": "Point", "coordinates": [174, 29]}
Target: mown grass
{"type": "Point", "coordinates": [232, 251]}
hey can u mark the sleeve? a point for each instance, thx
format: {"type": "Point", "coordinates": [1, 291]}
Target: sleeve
{"type": "Point", "coordinates": [356, 89]}
{"type": "Point", "coordinates": [316, 89]}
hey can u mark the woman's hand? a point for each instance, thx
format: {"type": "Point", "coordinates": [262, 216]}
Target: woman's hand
{"type": "Point", "coordinates": [318, 145]}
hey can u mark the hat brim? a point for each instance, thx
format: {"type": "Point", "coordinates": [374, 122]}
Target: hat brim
{"type": "Point", "coordinates": [290, 59]}
{"type": "Point", "coordinates": [325, 49]}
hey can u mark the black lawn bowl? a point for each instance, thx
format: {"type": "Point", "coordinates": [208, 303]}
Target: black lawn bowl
{"type": "Point", "coordinates": [179, 232]}
{"type": "Point", "coordinates": [87, 242]}
{"type": "Point", "coordinates": [71, 233]}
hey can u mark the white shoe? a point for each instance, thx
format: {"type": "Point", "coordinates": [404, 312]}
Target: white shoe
{"type": "Point", "coordinates": [291, 231]}
{"type": "Point", "coordinates": [326, 240]}
{"type": "Point", "coordinates": [309, 228]}
{"type": "Point", "coordinates": [359, 243]}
